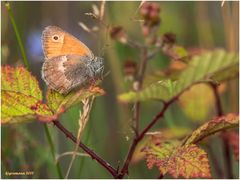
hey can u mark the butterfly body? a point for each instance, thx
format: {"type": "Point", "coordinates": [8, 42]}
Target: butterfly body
{"type": "Point", "coordinates": [68, 62]}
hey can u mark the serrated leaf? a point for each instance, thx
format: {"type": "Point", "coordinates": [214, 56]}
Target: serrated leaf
{"type": "Point", "coordinates": [163, 135]}
{"type": "Point", "coordinates": [227, 74]}
{"type": "Point", "coordinates": [21, 96]}
{"type": "Point", "coordinates": [161, 90]}
{"type": "Point", "coordinates": [153, 78]}
{"type": "Point", "coordinates": [200, 68]}
{"type": "Point", "coordinates": [205, 66]}
{"type": "Point", "coordinates": [188, 161]}
{"type": "Point", "coordinates": [215, 125]}
{"type": "Point", "coordinates": [197, 109]}
{"type": "Point", "coordinates": [58, 102]}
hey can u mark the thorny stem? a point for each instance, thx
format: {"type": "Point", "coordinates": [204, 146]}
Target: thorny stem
{"type": "Point", "coordinates": [139, 82]}
{"type": "Point", "coordinates": [217, 100]}
{"type": "Point", "coordinates": [124, 169]}
{"type": "Point", "coordinates": [226, 146]}
{"type": "Point", "coordinates": [137, 139]}
{"type": "Point", "coordinates": [93, 155]}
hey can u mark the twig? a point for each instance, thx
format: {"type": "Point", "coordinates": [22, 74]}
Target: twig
{"type": "Point", "coordinates": [124, 169]}
{"type": "Point", "coordinates": [141, 72]}
{"type": "Point", "coordinates": [226, 146]}
{"type": "Point", "coordinates": [217, 99]}
{"type": "Point", "coordinates": [93, 155]}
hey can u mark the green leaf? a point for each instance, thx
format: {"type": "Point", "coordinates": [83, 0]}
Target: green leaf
{"type": "Point", "coordinates": [227, 74]}
{"type": "Point", "coordinates": [154, 77]}
{"type": "Point", "coordinates": [215, 125]}
{"type": "Point", "coordinates": [200, 68]}
{"type": "Point", "coordinates": [161, 90]}
{"type": "Point", "coordinates": [59, 103]}
{"type": "Point", "coordinates": [171, 133]}
{"type": "Point", "coordinates": [21, 96]}
{"type": "Point", "coordinates": [204, 66]}
{"type": "Point", "coordinates": [197, 110]}
{"type": "Point", "coordinates": [188, 161]}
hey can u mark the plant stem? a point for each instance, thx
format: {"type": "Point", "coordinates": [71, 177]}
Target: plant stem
{"type": "Point", "coordinates": [20, 43]}
{"type": "Point", "coordinates": [136, 113]}
{"type": "Point", "coordinates": [124, 169]}
{"type": "Point", "coordinates": [227, 153]}
{"type": "Point", "coordinates": [226, 147]}
{"type": "Point", "coordinates": [93, 155]}
{"type": "Point", "coordinates": [26, 64]}
{"type": "Point", "coordinates": [217, 100]}
{"type": "Point", "coordinates": [53, 150]}
{"type": "Point", "coordinates": [141, 72]}
{"type": "Point", "coordinates": [215, 162]}
{"type": "Point", "coordinates": [160, 176]}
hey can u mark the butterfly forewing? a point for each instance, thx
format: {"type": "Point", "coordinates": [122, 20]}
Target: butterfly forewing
{"type": "Point", "coordinates": [57, 42]}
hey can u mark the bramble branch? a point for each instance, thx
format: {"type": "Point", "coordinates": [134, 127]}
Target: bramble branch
{"type": "Point", "coordinates": [225, 142]}
{"type": "Point", "coordinates": [93, 155]}
{"type": "Point", "coordinates": [124, 169]}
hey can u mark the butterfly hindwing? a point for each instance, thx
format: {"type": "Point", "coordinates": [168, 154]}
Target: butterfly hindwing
{"type": "Point", "coordinates": [64, 73]}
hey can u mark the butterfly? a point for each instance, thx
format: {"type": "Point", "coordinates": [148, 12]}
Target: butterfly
{"type": "Point", "coordinates": [69, 64]}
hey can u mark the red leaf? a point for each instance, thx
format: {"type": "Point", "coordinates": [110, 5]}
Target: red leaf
{"type": "Point", "coordinates": [215, 125]}
{"type": "Point", "coordinates": [188, 161]}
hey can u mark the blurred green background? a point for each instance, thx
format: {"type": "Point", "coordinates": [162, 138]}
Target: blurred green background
{"type": "Point", "coordinates": [196, 25]}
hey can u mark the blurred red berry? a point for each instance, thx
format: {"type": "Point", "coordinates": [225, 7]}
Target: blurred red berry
{"type": "Point", "coordinates": [118, 34]}
{"type": "Point", "coordinates": [169, 38]}
{"type": "Point", "coordinates": [130, 67]}
{"type": "Point", "coordinates": [150, 13]}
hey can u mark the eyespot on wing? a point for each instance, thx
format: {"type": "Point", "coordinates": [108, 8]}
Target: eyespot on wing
{"type": "Point", "coordinates": [57, 42]}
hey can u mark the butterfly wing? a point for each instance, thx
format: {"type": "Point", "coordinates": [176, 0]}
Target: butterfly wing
{"type": "Point", "coordinates": [64, 73]}
{"type": "Point", "coordinates": [57, 42]}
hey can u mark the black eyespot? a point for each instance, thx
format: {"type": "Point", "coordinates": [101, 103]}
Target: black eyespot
{"type": "Point", "coordinates": [55, 38]}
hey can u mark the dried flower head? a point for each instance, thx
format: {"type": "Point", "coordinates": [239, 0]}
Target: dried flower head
{"type": "Point", "coordinates": [169, 38]}
{"type": "Point", "coordinates": [150, 14]}
{"type": "Point", "coordinates": [130, 67]}
{"type": "Point", "coordinates": [118, 34]}
{"type": "Point", "coordinates": [150, 11]}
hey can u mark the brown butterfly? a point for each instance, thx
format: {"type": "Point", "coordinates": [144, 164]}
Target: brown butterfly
{"type": "Point", "coordinates": [68, 62]}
